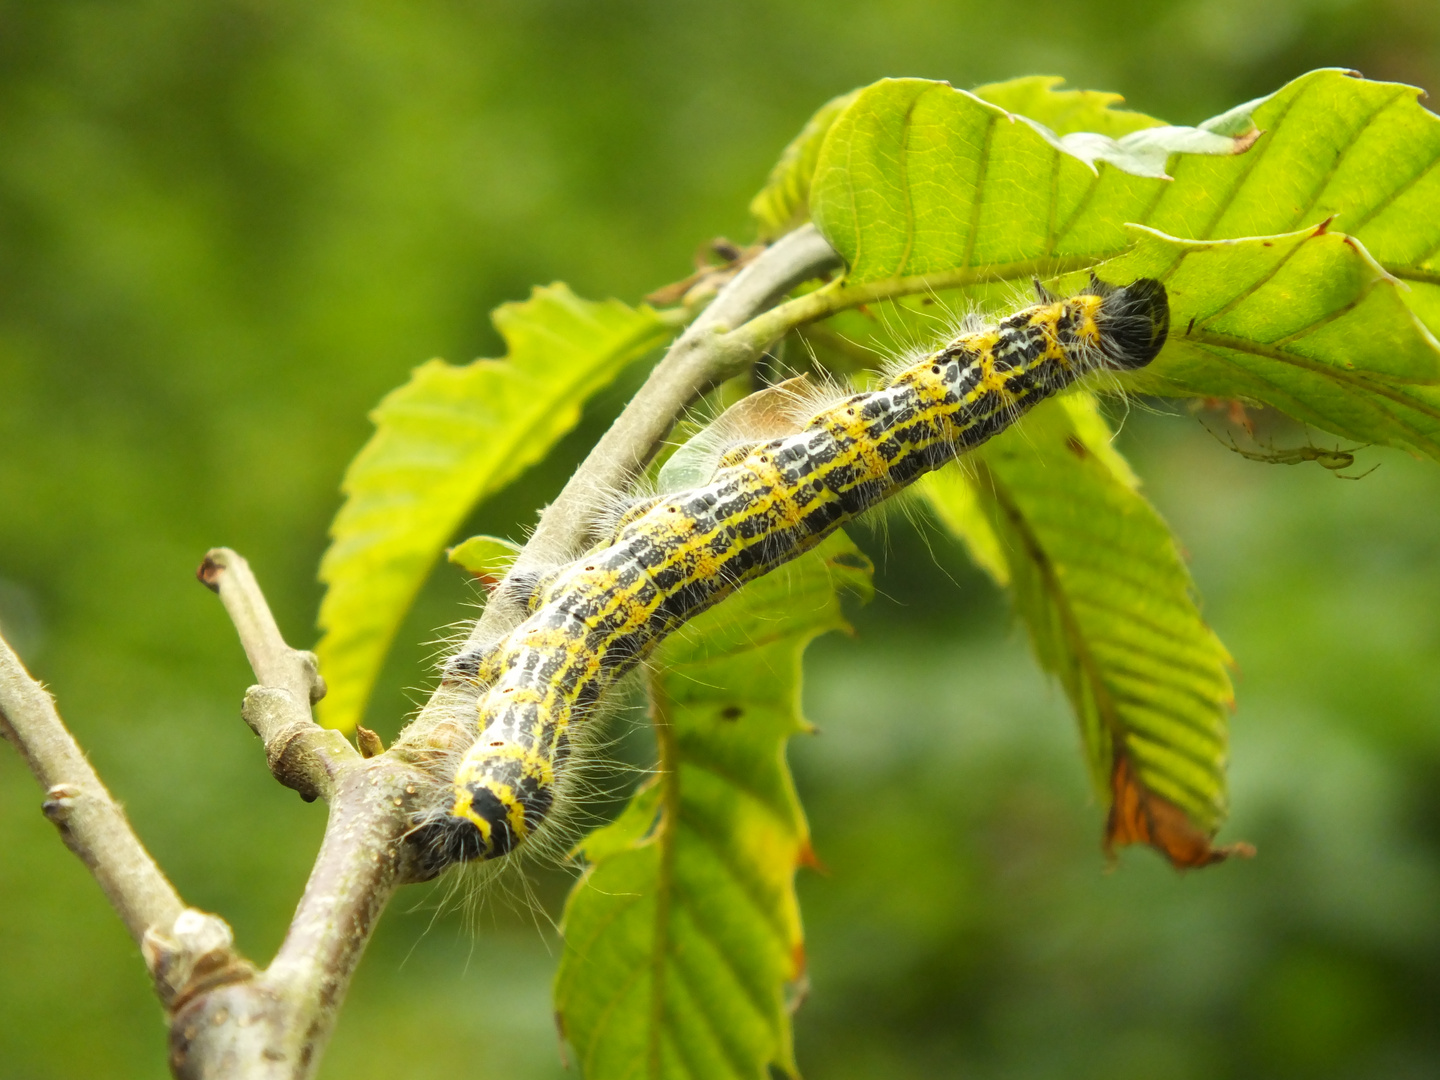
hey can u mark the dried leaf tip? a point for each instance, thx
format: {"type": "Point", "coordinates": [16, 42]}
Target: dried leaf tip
{"type": "Point", "coordinates": [1140, 816]}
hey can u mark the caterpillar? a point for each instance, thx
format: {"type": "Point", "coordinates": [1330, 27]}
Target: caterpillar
{"type": "Point", "coordinates": [676, 555]}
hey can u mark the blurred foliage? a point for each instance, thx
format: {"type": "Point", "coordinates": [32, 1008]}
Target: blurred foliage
{"type": "Point", "coordinates": [228, 228]}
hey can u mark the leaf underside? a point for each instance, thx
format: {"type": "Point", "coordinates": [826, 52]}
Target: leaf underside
{"type": "Point", "coordinates": [1306, 322]}
{"type": "Point", "coordinates": [1270, 303]}
{"type": "Point", "coordinates": [444, 441]}
{"type": "Point", "coordinates": [683, 936]}
{"type": "Point", "coordinates": [1101, 588]}
{"type": "Point", "coordinates": [932, 181]}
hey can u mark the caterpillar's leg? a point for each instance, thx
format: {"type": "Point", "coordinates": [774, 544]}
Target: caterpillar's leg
{"type": "Point", "coordinates": [471, 667]}
{"type": "Point", "coordinates": [526, 587]}
{"type": "Point", "coordinates": [633, 513]}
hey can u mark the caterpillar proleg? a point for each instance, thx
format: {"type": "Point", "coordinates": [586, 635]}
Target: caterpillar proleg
{"type": "Point", "coordinates": [766, 504]}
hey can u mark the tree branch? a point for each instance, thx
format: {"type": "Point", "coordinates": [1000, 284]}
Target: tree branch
{"type": "Point", "coordinates": [275, 663]}
{"type": "Point", "coordinates": [227, 1020]}
{"type": "Point", "coordinates": [302, 755]}
{"type": "Point", "coordinates": [276, 1024]}
{"type": "Point", "coordinates": [705, 354]}
{"type": "Point", "coordinates": [183, 948]}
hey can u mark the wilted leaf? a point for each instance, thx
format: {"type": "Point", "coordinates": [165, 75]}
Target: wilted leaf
{"type": "Point", "coordinates": [771, 413]}
{"type": "Point", "coordinates": [444, 441]}
{"type": "Point", "coordinates": [1098, 581]}
{"type": "Point", "coordinates": [683, 935]}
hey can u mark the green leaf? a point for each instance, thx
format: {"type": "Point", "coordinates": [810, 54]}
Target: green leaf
{"type": "Point", "coordinates": [682, 937]}
{"type": "Point", "coordinates": [916, 178]}
{"type": "Point", "coordinates": [1307, 322]}
{"type": "Point", "coordinates": [919, 181]}
{"type": "Point", "coordinates": [783, 203]}
{"type": "Point", "coordinates": [1100, 585]}
{"type": "Point", "coordinates": [1065, 111]}
{"type": "Point", "coordinates": [484, 557]}
{"type": "Point", "coordinates": [953, 497]}
{"type": "Point", "coordinates": [1366, 153]}
{"type": "Point", "coordinates": [447, 439]}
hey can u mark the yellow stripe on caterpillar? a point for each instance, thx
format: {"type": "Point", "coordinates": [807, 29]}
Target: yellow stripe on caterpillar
{"type": "Point", "coordinates": [682, 552]}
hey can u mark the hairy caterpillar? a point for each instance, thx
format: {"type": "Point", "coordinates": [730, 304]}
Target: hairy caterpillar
{"type": "Point", "coordinates": [678, 554]}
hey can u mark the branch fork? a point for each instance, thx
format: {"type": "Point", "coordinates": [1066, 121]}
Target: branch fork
{"type": "Point", "coordinates": [228, 1017]}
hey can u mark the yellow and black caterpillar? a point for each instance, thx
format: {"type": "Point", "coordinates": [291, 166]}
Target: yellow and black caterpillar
{"type": "Point", "coordinates": [767, 503]}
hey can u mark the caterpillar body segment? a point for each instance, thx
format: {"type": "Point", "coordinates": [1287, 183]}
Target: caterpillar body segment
{"type": "Point", "coordinates": [767, 503]}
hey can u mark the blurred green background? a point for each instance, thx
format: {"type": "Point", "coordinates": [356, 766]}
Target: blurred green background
{"type": "Point", "coordinates": [227, 228]}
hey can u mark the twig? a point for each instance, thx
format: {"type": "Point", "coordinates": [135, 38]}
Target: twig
{"type": "Point", "coordinates": [276, 1024]}
{"type": "Point", "coordinates": [274, 662]}
{"type": "Point", "coordinates": [183, 948]}
{"type": "Point", "coordinates": [705, 354]}
{"type": "Point", "coordinates": [302, 755]}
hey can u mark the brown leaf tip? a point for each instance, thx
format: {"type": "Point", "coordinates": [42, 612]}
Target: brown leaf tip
{"type": "Point", "coordinates": [1140, 816]}
{"type": "Point", "coordinates": [807, 857]}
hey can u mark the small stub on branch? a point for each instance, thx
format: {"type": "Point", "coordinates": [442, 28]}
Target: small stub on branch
{"type": "Point", "coordinates": [369, 742]}
{"type": "Point", "coordinates": [209, 572]}
{"type": "Point", "coordinates": [195, 954]}
{"type": "Point", "coordinates": [311, 663]}
{"type": "Point", "coordinates": [59, 801]}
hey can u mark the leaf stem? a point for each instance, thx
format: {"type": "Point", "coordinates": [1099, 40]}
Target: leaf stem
{"type": "Point", "coordinates": [837, 296]}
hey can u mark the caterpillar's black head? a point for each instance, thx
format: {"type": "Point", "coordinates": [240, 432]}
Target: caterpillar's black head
{"type": "Point", "coordinates": [442, 840]}
{"type": "Point", "coordinates": [1134, 320]}
{"type": "Point", "coordinates": [492, 816]}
